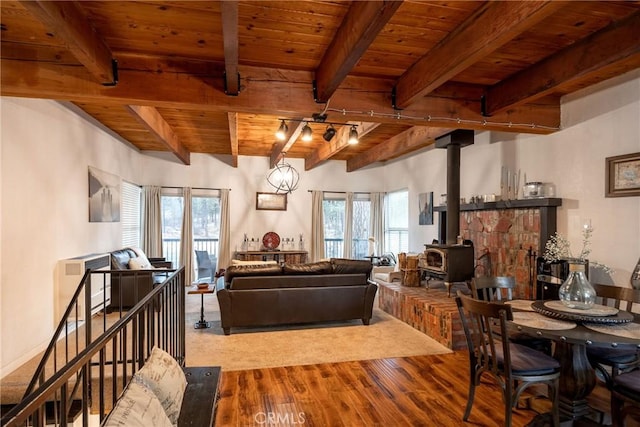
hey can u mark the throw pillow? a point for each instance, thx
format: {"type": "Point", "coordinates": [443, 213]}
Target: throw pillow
{"type": "Point", "coordinates": [164, 376]}
{"type": "Point", "coordinates": [139, 264]}
{"type": "Point", "coordinates": [137, 407]}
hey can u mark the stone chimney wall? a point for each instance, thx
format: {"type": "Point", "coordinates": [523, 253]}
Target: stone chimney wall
{"type": "Point", "coordinates": [502, 241]}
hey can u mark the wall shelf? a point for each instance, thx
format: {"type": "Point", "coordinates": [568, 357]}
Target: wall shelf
{"type": "Point", "coordinates": [505, 204]}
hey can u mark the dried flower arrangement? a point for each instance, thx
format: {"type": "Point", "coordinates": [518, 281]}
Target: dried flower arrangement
{"type": "Point", "coordinates": [558, 248]}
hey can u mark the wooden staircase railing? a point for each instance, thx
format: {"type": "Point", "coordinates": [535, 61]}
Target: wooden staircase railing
{"type": "Point", "coordinates": [90, 378]}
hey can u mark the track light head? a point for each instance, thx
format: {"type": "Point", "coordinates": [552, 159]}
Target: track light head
{"type": "Point", "coordinates": [306, 133]}
{"type": "Point", "coordinates": [329, 133]}
{"type": "Point", "coordinates": [281, 133]}
{"type": "Point", "coordinates": [353, 135]}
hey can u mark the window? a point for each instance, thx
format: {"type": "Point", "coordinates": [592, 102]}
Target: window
{"type": "Point", "coordinates": [130, 214]}
{"type": "Point", "coordinates": [333, 214]}
{"type": "Point", "coordinates": [205, 214]}
{"type": "Point", "coordinates": [205, 221]}
{"type": "Point", "coordinates": [334, 211]}
{"type": "Point", "coordinates": [396, 228]}
{"type": "Point", "coordinates": [361, 226]}
{"type": "Point", "coordinates": [172, 208]}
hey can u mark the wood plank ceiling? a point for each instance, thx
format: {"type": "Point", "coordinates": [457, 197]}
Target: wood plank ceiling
{"type": "Point", "coordinates": [216, 77]}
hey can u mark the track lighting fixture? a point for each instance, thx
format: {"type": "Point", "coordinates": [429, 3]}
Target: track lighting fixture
{"type": "Point", "coordinates": [281, 133]}
{"type": "Point", "coordinates": [329, 133]}
{"type": "Point", "coordinates": [353, 135]}
{"type": "Point", "coordinates": [306, 133]}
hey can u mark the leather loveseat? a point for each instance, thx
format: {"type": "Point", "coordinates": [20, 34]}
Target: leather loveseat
{"type": "Point", "coordinates": [133, 276]}
{"type": "Point", "coordinates": [335, 290]}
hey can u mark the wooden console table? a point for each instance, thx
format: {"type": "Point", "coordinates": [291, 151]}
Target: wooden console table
{"type": "Point", "coordinates": [290, 257]}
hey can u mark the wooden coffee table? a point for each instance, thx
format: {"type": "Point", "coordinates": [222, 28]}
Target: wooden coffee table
{"type": "Point", "coordinates": [210, 289]}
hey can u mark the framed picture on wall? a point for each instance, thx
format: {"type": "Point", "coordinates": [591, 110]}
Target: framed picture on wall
{"type": "Point", "coordinates": [104, 196]}
{"type": "Point", "coordinates": [425, 203]}
{"type": "Point", "coordinates": [271, 201]}
{"type": "Point", "coordinates": [622, 175]}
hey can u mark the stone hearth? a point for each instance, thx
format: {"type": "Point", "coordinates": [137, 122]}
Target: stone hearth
{"type": "Point", "coordinates": [430, 311]}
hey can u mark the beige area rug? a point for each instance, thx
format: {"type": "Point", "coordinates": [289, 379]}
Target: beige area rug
{"type": "Point", "coordinates": [267, 347]}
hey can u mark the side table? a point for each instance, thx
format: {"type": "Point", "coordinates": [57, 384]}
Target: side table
{"type": "Point", "coordinates": [201, 324]}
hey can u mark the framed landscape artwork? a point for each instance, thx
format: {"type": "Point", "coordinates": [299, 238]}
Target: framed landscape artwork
{"type": "Point", "coordinates": [271, 202]}
{"type": "Point", "coordinates": [622, 175]}
{"type": "Point", "coordinates": [104, 196]}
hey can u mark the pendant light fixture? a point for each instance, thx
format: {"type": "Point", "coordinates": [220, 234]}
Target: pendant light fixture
{"type": "Point", "coordinates": [283, 177]}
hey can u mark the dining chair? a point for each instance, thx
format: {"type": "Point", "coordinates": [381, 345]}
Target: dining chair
{"type": "Point", "coordinates": [610, 361]}
{"type": "Point", "coordinates": [515, 367]}
{"type": "Point", "coordinates": [496, 288]}
{"type": "Point", "coordinates": [501, 288]}
{"type": "Point", "coordinates": [625, 396]}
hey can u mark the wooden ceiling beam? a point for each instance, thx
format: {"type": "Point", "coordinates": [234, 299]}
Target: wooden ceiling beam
{"type": "Point", "coordinates": [616, 46]}
{"type": "Point", "coordinates": [359, 28]}
{"type": "Point", "coordinates": [267, 91]}
{"type": "Point", "coordinates": [402, 143]}
{"type": "Point", "coordinates": [491, 26]}
{"type": "Point", "coordinates": [233, 137]}
{"type": "Point", "coordinates": [280, 148]}
{"type": "Point", "coordinates": [151, 119]}
{"type": "Point", "coordinates": [338, 143]}
{"type": "Point", "coordinates": [229, 9]}
{"type": "Point", "coordinates": [67, 22]}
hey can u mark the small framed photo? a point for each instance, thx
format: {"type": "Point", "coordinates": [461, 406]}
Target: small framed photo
{"type": "Point", "coordinates": [622, 175]}
{"type": "Point", "coordinates": [271, 201]}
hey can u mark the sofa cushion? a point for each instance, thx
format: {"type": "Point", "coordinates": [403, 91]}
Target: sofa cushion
{"type": "Point", "coordinates": [322, 267]}
{"type": "Point", "coordinates": [351, 266]}
{"type": "Point", "coordinates": [139, 263]}
{"type": "Point", "coordinates": [164, 376]}
{"type": "Point", "coordinates": [242, 262]}
{"type": "Point", "coordinates": [290, 281]}
{"type": "Point", "coordinates": [120, 258]}
{"type": "Point", "coordinates": [138, 406]}
{"type": "Point", "coordinates": [250, 270]}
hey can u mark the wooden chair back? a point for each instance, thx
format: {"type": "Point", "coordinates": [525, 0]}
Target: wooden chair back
{"type": "Point", "coordinates": [494, 288]}
{"type": "Point", "coordinates": [621, 298]}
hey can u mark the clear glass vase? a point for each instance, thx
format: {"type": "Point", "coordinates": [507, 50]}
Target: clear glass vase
{"type": "Point", "coordinates": [576, 291]}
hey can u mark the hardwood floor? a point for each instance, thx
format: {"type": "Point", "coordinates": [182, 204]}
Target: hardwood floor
{"type": "Point", "coordinates": [412, 391]}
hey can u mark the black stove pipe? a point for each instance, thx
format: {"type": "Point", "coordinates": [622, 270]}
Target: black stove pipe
{"type": "Point", "coordinates": [453, 142]}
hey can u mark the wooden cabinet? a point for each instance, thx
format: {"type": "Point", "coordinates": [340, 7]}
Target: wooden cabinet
{"type": "Point", "coordinates": [289, 257]}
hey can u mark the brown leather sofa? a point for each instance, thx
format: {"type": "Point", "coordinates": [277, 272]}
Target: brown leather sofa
{"type": "Point", "coordinates": [334, 290]}
{"type": "Point", "coordinates": [128, 286]}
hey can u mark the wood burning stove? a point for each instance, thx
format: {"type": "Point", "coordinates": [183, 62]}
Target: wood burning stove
{"type": "Point", "coordinates": [450, 263]}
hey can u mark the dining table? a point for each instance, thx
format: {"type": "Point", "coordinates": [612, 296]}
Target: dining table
{"type": "Point", "coordinates": [573, 331]}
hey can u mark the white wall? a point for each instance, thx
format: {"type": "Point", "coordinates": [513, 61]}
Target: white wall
{"type": "Point", "coordinates": [45, 150]}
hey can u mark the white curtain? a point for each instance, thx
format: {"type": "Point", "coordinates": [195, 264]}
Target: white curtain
{"type": "Point", "coordinates": [186, 237]}
{"type": "Point", "coordinates": [347, 251]}
{"type": "Point", "coordinates": [151, 221]}
{"type": "Point", "coordinates": [224, 243]}
{"type": "Point", "coordinates": [317, 226]}
{"type": "Point", "coordinates": [377, 221]}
